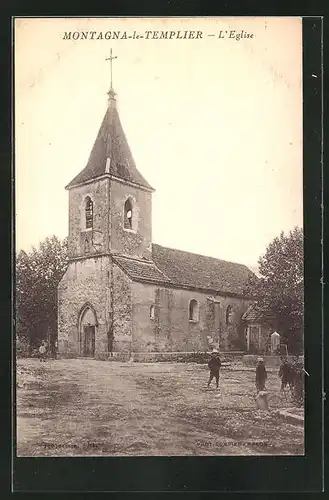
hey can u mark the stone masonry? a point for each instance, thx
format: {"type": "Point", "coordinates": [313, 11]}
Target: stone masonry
{"type": "Point", "coordinates": [123, 294]}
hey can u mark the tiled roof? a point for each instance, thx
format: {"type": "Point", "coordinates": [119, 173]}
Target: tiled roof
{"type": "Point", "coordinates": [140, 270]}
{"type": "Point", "coordinates": [199, 271]}
{"type": "Point", "coordinates": [111, 143]}
{"type": "Point", "coordinates": [178, 268]}
{"type": "Point", "coordinates": [253, 315]}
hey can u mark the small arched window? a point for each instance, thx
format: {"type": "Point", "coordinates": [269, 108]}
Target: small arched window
{"type": "Point", "coordinates": [193, 312]}
{"type": "Point", "coordinates": [152, 312]}
{"type": "Point", "coordinates": [229, 312]}
{"type": "Point", "coordinates": [89, 209]}
{"type": "Point", "coordinates": [128, 214]}
{"type": "Point", "coordinates": [87, 245]}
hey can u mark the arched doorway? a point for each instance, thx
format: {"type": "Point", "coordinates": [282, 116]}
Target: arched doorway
{"type": "Point", "coordinates": [87, 330]}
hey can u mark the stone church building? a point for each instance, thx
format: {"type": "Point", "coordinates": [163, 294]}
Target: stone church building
{"type": "Point", "coordinates": [123, 293]}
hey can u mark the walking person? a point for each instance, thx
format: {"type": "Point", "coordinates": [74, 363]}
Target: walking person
{"type": "Point", "coordinates": [214, 366]}
{"type": "Point", "coordinates": [42, 351]}
{"type": "Point", "coordinates": [261, 375]}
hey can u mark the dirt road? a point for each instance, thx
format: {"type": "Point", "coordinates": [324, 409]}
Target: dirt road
{"type": "Point", "coordinates": [87, 407]}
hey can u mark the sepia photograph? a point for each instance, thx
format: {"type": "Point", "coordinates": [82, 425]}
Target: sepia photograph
{"type": "Point", "coordinates": [159, 248]}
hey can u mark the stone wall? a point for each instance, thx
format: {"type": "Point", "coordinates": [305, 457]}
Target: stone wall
{"type": "Point", "coordinates": [122, 310]}
{"type": "Point", "coordinates": [124, 306]}
{"type": "Point", "coordinates": [137, 241]}
{"type": "Point", "coordinates": [171, 329]}
{"type": "Point", "coordinates": [84, 241]}
{"type": "Point", "coordinates": [85, 282]}
{"type": "Point", "coordinates": [270, 361]}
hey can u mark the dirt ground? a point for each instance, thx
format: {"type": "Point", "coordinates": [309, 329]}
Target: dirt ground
{"type": "Point", "coordinates": [85, 407]}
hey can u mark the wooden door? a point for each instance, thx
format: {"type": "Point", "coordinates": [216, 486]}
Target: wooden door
{"type": "Point", "coordinates": [89, 341]}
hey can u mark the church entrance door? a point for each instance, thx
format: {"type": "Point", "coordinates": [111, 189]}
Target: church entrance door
{"type": "Point", "coordinates": [89, 341]}
{"type": "Point", "coordinates": [87, 331]}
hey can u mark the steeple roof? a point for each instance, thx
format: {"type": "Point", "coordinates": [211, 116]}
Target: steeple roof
{"type": "Point", "coordinates": [111, 153]}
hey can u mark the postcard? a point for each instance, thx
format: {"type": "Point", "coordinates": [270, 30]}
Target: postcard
{"type": "Point", "coordinates": [159, 237]}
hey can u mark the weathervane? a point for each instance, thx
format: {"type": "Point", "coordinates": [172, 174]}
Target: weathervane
{"type": "Point", "coordinates": [111, 59]}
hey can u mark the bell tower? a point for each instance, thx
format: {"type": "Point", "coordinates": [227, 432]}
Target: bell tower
{"type": "Point", "coordinates": [109, 216]}
{"type": "Point", "coordinates": [110, 206]}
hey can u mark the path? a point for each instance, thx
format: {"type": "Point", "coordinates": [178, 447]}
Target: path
{"type": "Point", "coordinates": [88, 407]}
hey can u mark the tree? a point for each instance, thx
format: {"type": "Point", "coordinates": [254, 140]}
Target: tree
{"type": "Point", "coordinates": [37, 276]}
{"type": "Point", "coordinates": [280, 288]}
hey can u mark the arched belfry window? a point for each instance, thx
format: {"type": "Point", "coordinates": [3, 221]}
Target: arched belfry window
{"type": "Point", "coordinates": [229, 312]}
{"type": "Point", "coordinates": [193, 311]}
{"type": "Point", "coordinates": [89, 209]}
{"type": "Point", "coordinates": [152, 312]}
{"type": "Point", "coordinates": [128, 214]}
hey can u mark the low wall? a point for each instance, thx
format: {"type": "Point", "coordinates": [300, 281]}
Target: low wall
{"type": "Point", "coordinates": [116, 356]}
{"type": "Point", "coordinates": [270, 361]}
{"type": "Point", "coordinates": [158, 357]}
{"type": "Point", "coordinates": [182, 357]}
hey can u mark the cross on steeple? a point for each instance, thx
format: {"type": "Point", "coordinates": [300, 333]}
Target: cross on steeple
{"type": "Point", "coordinates": [111, 59]}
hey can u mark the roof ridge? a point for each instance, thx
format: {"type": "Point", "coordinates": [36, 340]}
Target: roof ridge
{"type": "Point", "coordinates": [202, 255]}
{"type": "Point", "coordinates": [200, 271]}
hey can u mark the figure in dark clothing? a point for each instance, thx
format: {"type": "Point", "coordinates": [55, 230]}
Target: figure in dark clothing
{"type": "Point", "coordinates": [261, 375]}
{"type": "Point", "coordinates": [110, 337]}
{"type": "Point", "coordinates": [286, 375]}
{"type": "Point", "coordinates": [214, 366]}
{"type": "Point", "coordinates": [298, 382]}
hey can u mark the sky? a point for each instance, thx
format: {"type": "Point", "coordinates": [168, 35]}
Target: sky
{"type": "Point", "coordinates": [214, 125]}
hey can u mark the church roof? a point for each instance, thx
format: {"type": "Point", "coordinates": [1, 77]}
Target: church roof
{"type": "Point", "coordinates": [186, 270]}
{"type": "Point", "coordinates": [111, 153]}
{"type": "Point", "coordinates": [140, 270]}
{"type": "Point", "coordinates": [199, 271]}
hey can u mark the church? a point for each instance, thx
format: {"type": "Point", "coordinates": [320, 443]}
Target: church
{"type": "Point", "coordinates": [121, 292]}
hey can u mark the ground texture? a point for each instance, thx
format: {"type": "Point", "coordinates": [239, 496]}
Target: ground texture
{"type": "Point", "coordinates": [87, 407]}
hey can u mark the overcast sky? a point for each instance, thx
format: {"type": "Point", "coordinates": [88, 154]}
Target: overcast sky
{"type": "Point", "coordinates": [214, 125]}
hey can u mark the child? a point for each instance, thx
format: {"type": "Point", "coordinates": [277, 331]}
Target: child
{"type": "Point", "coordinates": [214, 366]}
{"type": "Point", "coordinates": [261, 375]}
{"type": "Point", "coordinates": [42, 351]}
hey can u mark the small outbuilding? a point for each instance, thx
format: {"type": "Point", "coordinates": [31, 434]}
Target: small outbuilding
{"type": "Point", "coordinates": [258, 331]}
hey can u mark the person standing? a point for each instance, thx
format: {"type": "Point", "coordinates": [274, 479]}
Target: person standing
{"type": "Point", "coordinates": [286, 374]}
{"type": "Point", "coordinates": [261, 375]}
{"type": "Point", "coordinates": [42, 351]}
{"type": "Point", "coordinates": [55, 349]}
{"type": "Point", "coordinates": [214, 365]}
{"type": "Point", "coordinates": [298, 382]}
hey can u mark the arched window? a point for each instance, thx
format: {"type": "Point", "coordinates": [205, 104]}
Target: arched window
{"type": "Point", "coordinates": [128, 215]}
{"type": "Point", "coordinates": [152, 312]}
{"type": "Point", "coordinates": [89, 213]}
{"type": "Point", "coordinates": [87, 248]}
{"type": "Point", "coordinates": [193, 312]}
{"type": "Point", "coordinates": [229, 312]}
